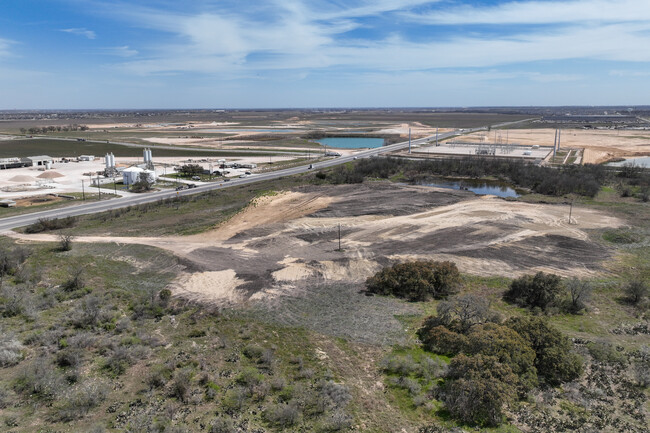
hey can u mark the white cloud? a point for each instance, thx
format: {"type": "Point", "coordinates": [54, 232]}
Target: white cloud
{"type": "Point", "coordinates": [123, 51]}
{"type": "Point", "coordinates": [629, 73]}
{"type": "Point", "coordinates": [81, 31]}
{"type": "Point", "coordinates": [541, 12]}
{"type": "Point", "coordinates": [300, 35]}
{"type": "Point", "coordinates": [4, 47]}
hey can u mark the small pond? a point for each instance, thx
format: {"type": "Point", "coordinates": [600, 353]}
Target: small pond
{"type": "Point", "coordinates": [351, 142]}
{"type": "Point", "coordinates": [480, 187]}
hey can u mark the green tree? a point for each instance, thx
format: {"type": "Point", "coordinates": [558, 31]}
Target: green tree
{"type": "Point", "coordinates": [143, 184]}
{"type": "Point", "coordinates": [540, 290]}
{"type": "Point", "coordinates": [477, 388]}
{"type": "Point", "coordinates": [509, 348]}
{"type": "Point", "coordinates": [188, 170]}
{"type": "Point", "coordinates": [417, 280]}
{"type": "Point", "coordinates": [555, 360]}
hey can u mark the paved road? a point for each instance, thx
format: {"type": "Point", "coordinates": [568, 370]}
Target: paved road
{"type": "Point", "coordinates": [101, 206]}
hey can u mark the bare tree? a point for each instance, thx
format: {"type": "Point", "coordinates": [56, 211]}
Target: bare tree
{"type": "Point", "coordinates": [579, 292]}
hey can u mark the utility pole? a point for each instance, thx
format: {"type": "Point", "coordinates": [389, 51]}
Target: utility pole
{"type": "Point", "coordinates": [99, 190]}
{"type": "Point", "coordinates": [339, 236]}
{"type": "Point", "coordinates": [437, 137]}
{"type": "Point", "coordinates": [571, 211]}
{"type": "Point", "coordinates": [114, 185]}
{"type": "Point", "coordinates": [83, 192]}
{"type": "Point", "coordinates": [409, 140]}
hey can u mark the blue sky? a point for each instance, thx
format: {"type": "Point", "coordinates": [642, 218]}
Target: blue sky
{"type": "Point", "coordinates": [322, 53]}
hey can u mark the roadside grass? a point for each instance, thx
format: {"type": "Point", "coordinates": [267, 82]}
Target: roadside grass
{"type": "Point", "coordinates": [178, 216]}
{"type": "Point", "coordinates": [21, 210]}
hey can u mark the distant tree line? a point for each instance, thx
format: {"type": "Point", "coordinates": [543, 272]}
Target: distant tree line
{"type": "Point", "coordinates": [584, 180]}
{"type": "Point", "coordinates": [57, 128]}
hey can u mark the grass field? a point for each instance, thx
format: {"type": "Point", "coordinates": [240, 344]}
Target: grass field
{"type": "Point", "coordinates": [64, 148]}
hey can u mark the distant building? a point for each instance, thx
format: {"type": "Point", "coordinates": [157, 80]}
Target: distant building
{"type": "Point", "coordinates": [86, 158]}
{"type": "Point", "coordinates": [132, 174]}
{"type": "Point", "coordinates": [14, 163]}
{"type": "Point", "coordinates": [7, 203]}
{"type": "Point", "coordinates": [40, 160]}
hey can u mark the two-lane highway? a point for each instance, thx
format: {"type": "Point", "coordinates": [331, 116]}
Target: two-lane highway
{"type": "Point", "coordinates": [101, 206]}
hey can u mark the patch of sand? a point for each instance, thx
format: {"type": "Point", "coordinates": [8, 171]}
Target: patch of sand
{"type": "Point", "coordinates": [219, 286]}
{"type": "Point", "coordinates": [293, 270]}
{"type": "Point", "coordinates": [266, 210]}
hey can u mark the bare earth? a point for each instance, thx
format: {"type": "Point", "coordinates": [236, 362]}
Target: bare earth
{"type": "Point", "coordinates": [599, 145]}
{"type": "Point", "coordinates": [288, 242]}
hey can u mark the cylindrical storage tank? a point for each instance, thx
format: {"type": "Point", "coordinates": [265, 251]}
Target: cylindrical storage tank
{"type": "Point", "coordinates": [107, 160]}
{"type": "Point", "coordinates": [145, 155]}
{"type": "Point", "coordinates": [48, 165]}
{"type": "Point", "coordinates": [149, 155]}
{"type": "Point", "coordinates": [112, 160]}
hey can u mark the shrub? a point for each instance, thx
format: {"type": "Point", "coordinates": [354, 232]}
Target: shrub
{"type": "Point", "coordinates": [70, 357]}
{"type": "Point", "coordinates": [477, 388]}
{"type": "Point", "coordinates": [45, 224]}
{"type": "Point", "coordinates": [636, 290]}
{"type": "Point", "coordinates": [158, 376]}
{"type": "Point", "coordinates": [118, 361]}
{"type": "Point", "coordinates": [540, 290]}
{"type": "Point", "coordinates": [555, 360]}
{"type": "Point", "coordinates": [181, 384]}
{"type": "Point", "coordinates": [76, 280]}
{"type": "Point", "coordinates": [79, 401]}
{"type": "Point", "coordinates": [39, 379]}
{"type": "Point", "coordinates": [417, 281]}
{"type": "Point", "coordinates": [10, 350]}
{"type": "Point", "coordinates": [222, 425]}
{"type": "Point", "coordinates": [282, 415]}
{"type": "Point", "coordinates": [65, 242]}
{"type": "Point", "coordinates": [607, 353]}
{"type": "Point", "coordinates": [234, 399]}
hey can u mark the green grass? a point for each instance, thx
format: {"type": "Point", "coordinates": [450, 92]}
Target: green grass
{"type": "Point", "coordinates": [63, 148]}
{"type": "Point", "coordinates": [183, 216]}
{"type": "Point", "coordinates": [89, 196]}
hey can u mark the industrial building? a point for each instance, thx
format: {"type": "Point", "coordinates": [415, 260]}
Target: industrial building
{"type": "Point", "coordinates": [86, 158]}
{"type": "Point", "coordinates": [41, 160]}
{"type": "Point", "coordinates": [132, 174]}
{"type": "Point", "coordinates": [6, 163]}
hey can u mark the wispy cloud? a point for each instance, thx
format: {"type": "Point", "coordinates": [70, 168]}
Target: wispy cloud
{"type": "Point", "coordinates": [540, 12]}
{"type": "Point", "coordinates": [4, 47]}
{"type": "Point", "coordinates": [123, 51]}
{"type": "Point", "coordinates": [81, 31]}
{"type": "Point", "coordinates": [312, 35]}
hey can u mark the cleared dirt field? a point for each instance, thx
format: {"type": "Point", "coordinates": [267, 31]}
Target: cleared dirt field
{"type": "Point", "coordinates": [599, 145]}
{"type": "Point", "coordinates": [288, 243]}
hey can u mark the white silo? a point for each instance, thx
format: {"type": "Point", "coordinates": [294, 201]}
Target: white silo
{"type": "Point", "coordinates": [107, 160]}
{"type": "Point", "coordinates": [112, 160]}
{"type": "Point", "coordinates": [145, 156]}
{"type": "Point", "coordinates": [149, 155]}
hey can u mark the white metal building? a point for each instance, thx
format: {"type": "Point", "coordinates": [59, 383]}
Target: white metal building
{"type": "Point", "coordinates": [130, 175]}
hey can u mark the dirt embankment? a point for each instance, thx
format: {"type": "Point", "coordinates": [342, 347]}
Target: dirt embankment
{"type": "Point", "coordinates": [285, 243]}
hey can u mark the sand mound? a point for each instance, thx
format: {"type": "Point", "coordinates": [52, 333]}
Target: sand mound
{"type": "Point", "coordinates": [219, 287]}
{"type": "Point", "coordinates": [50, 175]}
{"type": "Point", "coordinates": [22, 178]}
